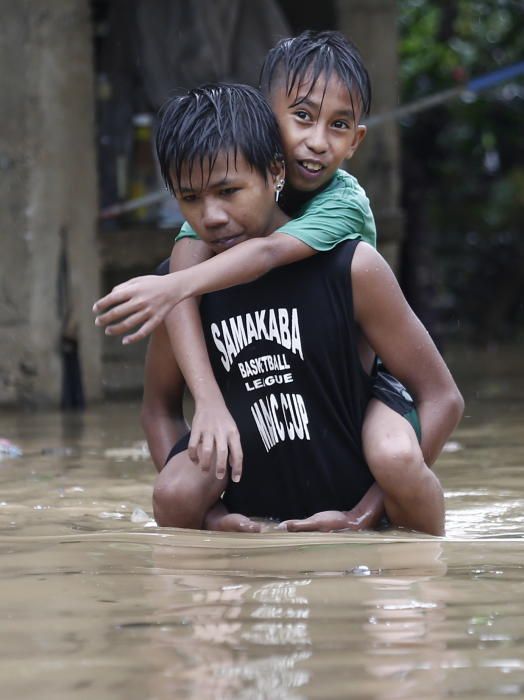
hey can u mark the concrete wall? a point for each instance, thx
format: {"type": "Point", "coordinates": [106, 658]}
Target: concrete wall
{"type": "Point", "coordinates": [49, 266]}
{"type": "Point", "coordinates": [49, 262]}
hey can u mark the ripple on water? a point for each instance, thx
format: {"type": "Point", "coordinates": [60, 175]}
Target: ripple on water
{"type": "Point", "coordinates": [99, 602]}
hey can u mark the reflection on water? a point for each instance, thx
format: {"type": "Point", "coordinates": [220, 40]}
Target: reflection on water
{"type": "Point", "coordinates": [99, 603]}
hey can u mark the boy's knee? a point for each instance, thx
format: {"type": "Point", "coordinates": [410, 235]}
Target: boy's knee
{"type": "Point", "coordinates": [394, 457]}
{"type": "Point", "coordinates": [173, 502]}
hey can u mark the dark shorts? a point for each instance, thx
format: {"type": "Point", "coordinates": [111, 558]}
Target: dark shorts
{"type": "Point", "coordinates": [385, 388]}
{"type": "Point", "coordinates": [392, 393]}
{"type": "Point", "coordinates": [163, 268]}
{"type": "Point", "coordinates": [178, 447]}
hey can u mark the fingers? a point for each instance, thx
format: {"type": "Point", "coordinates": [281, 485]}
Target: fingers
{"type": "Point", "coordinates": [213, 451]}
{"type": "Point", "coordinates": [128, 323]}
{"type": "Point", "coordinates": [145, 329]}
{"type": "Point", "coordinates": [194, 442]}
{"type": "Point", "coordinates": [236, 455]}
{"type": "Point", "coordinates": [220, 457]}
{"type": "Point", "coordinates": [326, 521]}
{"type": "Point", "coordinates": [215, 442]}
{"type": "Point", "coordinates": [140, 294]}
{"type": "Point", "coordinates": [307, 525]}
{"type": "Point", "coordinates": [249, 526]}
{"type": "Point", "coordinates": [205, 451]}
{"type": "Point", "coordinates": [234, 522]}
{"type": "Point", "coordinates": [114, 297]}
{"type": "Point", "coordinates": [120, 310]}
{"type": "Point", "coordinates": [119, 294]}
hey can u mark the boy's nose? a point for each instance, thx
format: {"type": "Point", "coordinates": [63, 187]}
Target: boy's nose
{"type": "Point", "coordinates": [316, 140]}
{"type": "Point", "coordinates": [214, 214]}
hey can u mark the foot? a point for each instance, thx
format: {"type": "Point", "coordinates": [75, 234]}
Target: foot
{"type": "Point", "coordinates": [220, 520]}
{"type": "Point", "coordinates": [326, 521]}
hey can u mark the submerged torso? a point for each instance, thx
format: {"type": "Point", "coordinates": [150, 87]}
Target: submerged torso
{"type": "Point", "coordinates": [285, 353]}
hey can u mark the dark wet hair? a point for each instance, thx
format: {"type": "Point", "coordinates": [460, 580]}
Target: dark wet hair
{"type": "Point", "coordinates": [305, 58]}
{"type": "Point", "coordinates": [221, 117]}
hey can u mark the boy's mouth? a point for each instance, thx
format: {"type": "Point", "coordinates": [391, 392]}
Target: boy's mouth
{"type": "Point", "coordinates": [311, 166]}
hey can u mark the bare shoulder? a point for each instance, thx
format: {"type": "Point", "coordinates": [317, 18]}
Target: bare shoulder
{"type": "Point", "coordinates": [367, 260]}
{"type": "Point", "coordinates": [371, 275]}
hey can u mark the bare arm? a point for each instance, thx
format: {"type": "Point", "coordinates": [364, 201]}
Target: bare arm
{"type": "Point", "coordinates": [162, 404]}
{"type": "Point", "coordinates": [245, 263]}
{"type": "Point", "coordinates": [395, 333]}
{"type": "Point", "coordinates": [399, 338]}
{"type": "Point", "coordinates": [146, 301]}
{"type": "Point", "coordinates": [213, 428]}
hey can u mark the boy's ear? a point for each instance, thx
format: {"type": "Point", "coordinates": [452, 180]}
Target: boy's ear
{"type": "Point", "coordinates": [278, 170]}
{"type": "Point", "coordinates": [360, 135]}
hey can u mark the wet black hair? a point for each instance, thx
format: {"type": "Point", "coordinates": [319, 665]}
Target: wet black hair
{"type": "Point", "coordinates": [303, 59]}
{"type": "Point", "coordinates": [220, 117]}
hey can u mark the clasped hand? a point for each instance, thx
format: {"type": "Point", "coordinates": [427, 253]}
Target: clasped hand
{"type": "Point", "coordinates": [141, 301]}
{"type": "Point", "coordinates": [215, 440]}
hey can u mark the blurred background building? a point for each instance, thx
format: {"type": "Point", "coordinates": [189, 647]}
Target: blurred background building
{"type": "Point", "coordinates": [81, 83]}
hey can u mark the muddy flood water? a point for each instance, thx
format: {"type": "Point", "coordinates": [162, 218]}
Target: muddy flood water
{"type": "Point", "coordinates": [97, 602]}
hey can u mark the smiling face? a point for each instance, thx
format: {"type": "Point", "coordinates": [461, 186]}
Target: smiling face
{"type": "Point", "coordinates": [229, 203]}
{"type": "Point", "coordinates": [319, 129]}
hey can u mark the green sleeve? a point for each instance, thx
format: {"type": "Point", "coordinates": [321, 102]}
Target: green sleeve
{"type": "Point", "coordinates": [333, 217]}
{"type": "Point", "coordinates": [186, 232]}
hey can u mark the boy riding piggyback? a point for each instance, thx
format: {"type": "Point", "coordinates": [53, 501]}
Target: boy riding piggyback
{"type": "Point", "coordinates": [319, 91]}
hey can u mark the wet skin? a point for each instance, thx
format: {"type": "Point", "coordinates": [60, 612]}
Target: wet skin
{"type": "Point", "coordinates": [319, 128]}
{"type": "Point", "coordinates": [227, 204]}
{"type": "Point", "coordinates": [230, 204]}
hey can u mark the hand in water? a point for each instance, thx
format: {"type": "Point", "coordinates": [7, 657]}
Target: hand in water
{"type": "Point", "coordinates": [325, 521]}
{"type": "Point", "coordinates": [215, 436]}
{"type": "Point", "coordinates": [141, 301]}
{"type": "Point", "coordinates": [219, 519]}
{"type": "Point", "coordinates": [364, 516]}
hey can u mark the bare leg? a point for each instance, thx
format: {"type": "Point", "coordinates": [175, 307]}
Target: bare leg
{"type": "Point", "coordinates": [365, 515]}
{"type": "Point", "coordinates": [183, 493]}
{"type": "Point", "coordinates": [219, 518]}
{"type": "Point", "coordinates": [185, 496]}
{"type": "Point", "coordinates": [413, 496]}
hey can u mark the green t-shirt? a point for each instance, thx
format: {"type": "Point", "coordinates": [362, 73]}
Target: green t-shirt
{"type": "Point", "coordinates": [339, 212]}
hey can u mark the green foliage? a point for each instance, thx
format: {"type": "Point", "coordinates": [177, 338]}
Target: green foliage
{"type": "Point", "coordinates": [466, 157]}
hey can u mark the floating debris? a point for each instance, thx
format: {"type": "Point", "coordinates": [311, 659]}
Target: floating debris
{"type": "Point", "coordinates": [452, 446]}
{"type": "Point", "coordinates": [9, 450]}
{"type": "Point", "coordinates": [137, 451]}
{"type": "Point", "coordinates": [105, 515]}
{"type": "Point", "coordinates": [139, 516]}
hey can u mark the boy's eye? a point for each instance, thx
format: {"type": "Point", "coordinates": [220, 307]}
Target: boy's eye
{"type": "Point", "coordinates": [301, 114]}
{"type": "Point", "coordinates": [188, 198]}
{"type": "Point", "coordinates": [229, 191]}
{"type": "Point", "coordinates": [340, 124]}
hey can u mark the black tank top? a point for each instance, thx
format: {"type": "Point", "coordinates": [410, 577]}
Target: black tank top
{"type": "Point", "coordinates": [285, 354]}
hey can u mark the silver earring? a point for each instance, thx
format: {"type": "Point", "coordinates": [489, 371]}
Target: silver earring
{"type": "Point", "coordinates": [278, 189]}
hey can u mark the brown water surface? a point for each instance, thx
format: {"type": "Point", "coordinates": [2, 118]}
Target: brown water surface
{"type": "Point", "coordinates": [97, 602]}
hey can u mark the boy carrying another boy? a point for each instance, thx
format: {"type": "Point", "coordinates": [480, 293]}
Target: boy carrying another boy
{"type": "Point", "coordinates": [318, 89]}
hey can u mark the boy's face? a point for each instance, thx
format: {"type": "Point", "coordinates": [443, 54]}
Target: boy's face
{"type": "Point", "coordinates": [230, 203]}
{"type": "Point", "coordinates": [318, 132]}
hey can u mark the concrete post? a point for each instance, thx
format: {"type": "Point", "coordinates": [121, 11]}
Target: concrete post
{"type": "Point", "coordinates": [49, 263]}
{"type": "Point", "coordinates": [371, 25]}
